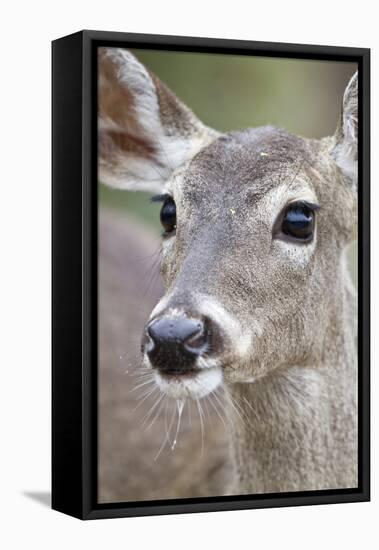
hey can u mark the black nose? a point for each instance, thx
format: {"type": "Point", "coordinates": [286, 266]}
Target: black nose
{"type": "Point", "coordinates": [176, 342]}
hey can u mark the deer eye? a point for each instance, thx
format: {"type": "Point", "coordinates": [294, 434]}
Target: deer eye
{"type": "Point", "coordinates": [168, 215]}
{"type": "Point", "coordinates": [298, 222]}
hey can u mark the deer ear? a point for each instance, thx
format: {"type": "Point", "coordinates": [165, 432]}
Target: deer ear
{"type": "Point", "coordinates": [144, 131]}
{"type": "Point", "coordinates": [345, 151]}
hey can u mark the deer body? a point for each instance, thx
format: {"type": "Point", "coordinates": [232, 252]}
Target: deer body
{"type": "Point", "coordinates": [258, 297]}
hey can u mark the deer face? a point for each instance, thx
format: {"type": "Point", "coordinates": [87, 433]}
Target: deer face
{"type": "Point", "coordinates": [254, 225]}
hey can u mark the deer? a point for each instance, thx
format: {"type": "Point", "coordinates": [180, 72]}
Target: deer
{"type": "Point", "coordinates": [257, 297]}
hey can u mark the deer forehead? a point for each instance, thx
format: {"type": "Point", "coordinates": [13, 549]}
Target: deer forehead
{"type": "Point", "coordinates": [240, 170]}
{"type": "Point", "coordinates": [229, 196]}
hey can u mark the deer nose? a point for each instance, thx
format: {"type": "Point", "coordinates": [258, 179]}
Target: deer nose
{"type": "Point", "coordinates": [175, 343]}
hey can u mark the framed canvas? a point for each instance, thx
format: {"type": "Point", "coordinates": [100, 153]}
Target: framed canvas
{"type": "Point", "coordinates": [210, 275]}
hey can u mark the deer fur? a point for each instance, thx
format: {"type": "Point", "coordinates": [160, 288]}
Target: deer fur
{"type": "Point", "coordinates": [287, 311]}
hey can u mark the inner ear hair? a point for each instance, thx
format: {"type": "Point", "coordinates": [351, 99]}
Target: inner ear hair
{"type": "Point", "coordinates": [345, 150]}
{"type": "Point", "coordinates": [145, 131]}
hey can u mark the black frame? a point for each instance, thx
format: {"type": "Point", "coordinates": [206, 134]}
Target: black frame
{"type": "Point", "coordinates": [74, 298]}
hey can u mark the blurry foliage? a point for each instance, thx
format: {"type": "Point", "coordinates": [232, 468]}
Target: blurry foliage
{"type": "Point", "coordinates": [229, 92]}
{"type": "Point", "coordinates": [135, 204]}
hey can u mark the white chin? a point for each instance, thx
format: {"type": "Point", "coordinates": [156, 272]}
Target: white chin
{"type": "Point", "coordinates": [192, 387]}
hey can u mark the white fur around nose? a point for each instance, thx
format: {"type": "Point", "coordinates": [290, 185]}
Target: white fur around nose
{"type": "Point", "coordinates": [209, 307]}
{"type": "Point", "coordinates": [229, 324]}
{"type": "Point", "coordinates": [194, 387]}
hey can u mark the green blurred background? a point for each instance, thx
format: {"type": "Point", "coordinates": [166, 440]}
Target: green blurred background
{"type": "Point", "coordinates": [229, 92]}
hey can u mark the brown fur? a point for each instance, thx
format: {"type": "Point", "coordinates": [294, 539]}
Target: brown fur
{"type": "Point", "coordinates": [292, 374]}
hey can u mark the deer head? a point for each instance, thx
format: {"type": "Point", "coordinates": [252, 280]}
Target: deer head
{"type": "Point", "coordinates": [255, 223]}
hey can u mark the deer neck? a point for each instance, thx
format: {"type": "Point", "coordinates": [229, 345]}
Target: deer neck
{"type": "Point", "coordinates": [295, 429]}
